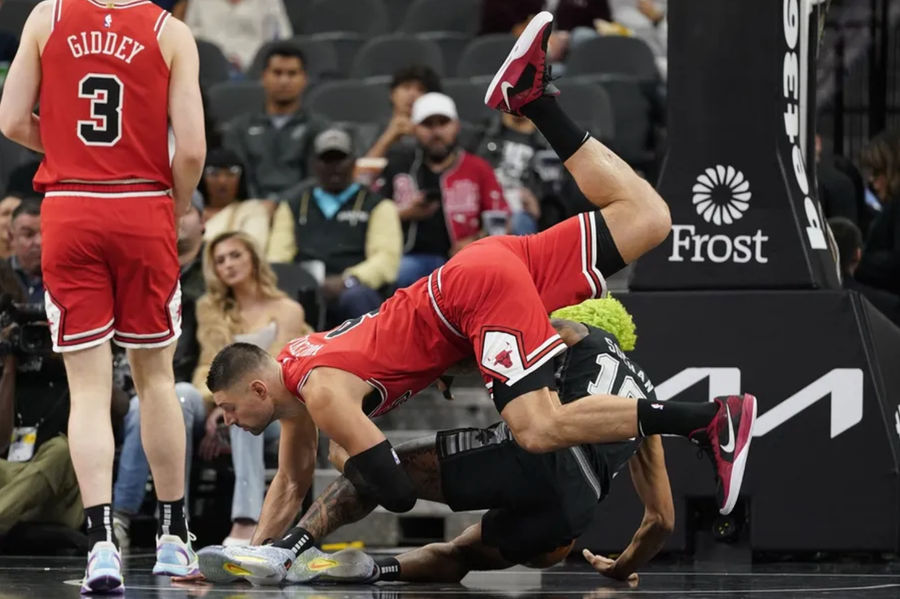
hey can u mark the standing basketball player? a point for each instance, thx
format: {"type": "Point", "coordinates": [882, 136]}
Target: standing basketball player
{"type": "Point", "coordinates": [110, 76]}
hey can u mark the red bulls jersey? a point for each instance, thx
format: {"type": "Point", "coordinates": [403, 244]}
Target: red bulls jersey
{"type": "Point", "coordinates": [399, 350]}
{"type": "Point", "coordinates": [104, 95]}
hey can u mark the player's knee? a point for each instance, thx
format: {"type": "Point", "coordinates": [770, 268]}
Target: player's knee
{"type": "Point", "coordinates": [533, 437]}
{"type": "Point", "coordinates": [545, 560]}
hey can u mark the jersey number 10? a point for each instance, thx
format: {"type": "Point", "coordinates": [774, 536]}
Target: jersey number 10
{"type": "Point", "coordinates": [105, 125]}
{"type": "Point", "coordinates": [606, 378]}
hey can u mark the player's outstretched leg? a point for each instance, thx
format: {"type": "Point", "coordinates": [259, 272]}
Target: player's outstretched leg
{"type": "Point", "coordinates": [637, 217]}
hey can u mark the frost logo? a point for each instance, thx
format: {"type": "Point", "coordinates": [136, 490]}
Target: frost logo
{"type": "Point", "coordinates": [721, 195]}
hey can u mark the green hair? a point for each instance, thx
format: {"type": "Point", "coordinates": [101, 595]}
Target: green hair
{"type": "Point", "coordinates": [608, 314]}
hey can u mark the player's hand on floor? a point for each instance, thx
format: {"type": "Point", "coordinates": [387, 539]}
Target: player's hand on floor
{"type": "Point", "coordinates": [607, 567]}
{"type": "Point", "coordinates": [190, 578]}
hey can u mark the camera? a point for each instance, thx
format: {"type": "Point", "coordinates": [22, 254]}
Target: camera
{"type": "Point", "coordinates": [31, 335]}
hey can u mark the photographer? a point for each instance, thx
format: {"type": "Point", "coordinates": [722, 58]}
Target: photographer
{"type": "Point", "coordinates": [37, 482]}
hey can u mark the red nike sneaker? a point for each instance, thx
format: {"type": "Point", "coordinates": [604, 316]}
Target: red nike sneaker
{"type": "Point", "coordinates": [525, 74]}
{"type": "Point", "coordinates": [727, 441]}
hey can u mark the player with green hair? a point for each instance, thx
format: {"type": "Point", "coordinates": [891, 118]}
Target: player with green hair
{"type": "Point", "coordinates": [538, 504]}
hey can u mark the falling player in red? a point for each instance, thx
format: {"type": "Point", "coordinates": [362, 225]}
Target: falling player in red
{"type": "Point", "coordinates": [111, 77]}
{"type": "Point", "coordinates": [491, 300]}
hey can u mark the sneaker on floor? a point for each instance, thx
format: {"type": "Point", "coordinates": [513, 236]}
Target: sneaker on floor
{"type": "Point", "coordinates": [217, 567]}
{"type": "Point", "coordinates": [103, 574]}
{"type": "Point", "coordinates": [345, 566]}
{"type": "Point", "coordinates": [264, 564]}
{"type": "Point", "coordinates": [727, 441]}
{"type": "Point", "coordinates": [174, 557]}
{"type": "Point", "coordinates": [525, 74]}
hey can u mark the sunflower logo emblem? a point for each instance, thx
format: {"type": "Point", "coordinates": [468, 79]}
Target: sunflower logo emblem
{"type": "Point", "coordinates": [721, 195]}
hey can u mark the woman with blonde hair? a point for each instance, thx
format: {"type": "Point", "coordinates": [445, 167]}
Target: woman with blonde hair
{"type": "Point", "coordinates": [242, 303]}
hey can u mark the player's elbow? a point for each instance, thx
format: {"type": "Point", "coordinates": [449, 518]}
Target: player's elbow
{"type": "Point", "coordinates": [191, 153]}
{"type": "Point", "coordinates": [12, 126]}
{"type": "Point", "coordinates": [663, 522]}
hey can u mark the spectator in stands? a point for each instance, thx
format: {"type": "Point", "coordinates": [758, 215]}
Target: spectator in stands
{"type": "Point", "coordinates": [647, 20]}
{"type": "Point", "coordinates": [7, 205]}
{"type": "Point", "coordinates": [880, 263]}
{"type": "Point", "coordinates": [571, 15]}
{"type": "Point", "coordinates": [226, 207]}
{"type": "Point", "coordinates": [509, 144]}
{"type": "Point", "coordinates": [239, 27]}
{"type": "Point", "coordinates": [446, 197]}
{"type": "Point", "coordinates": [37, 481]}
{"type": "Point", "coordinates": [242, 303]}
{"type": "Point", "coordinates": [849, 242]}
{"type": "Point", "coordinates": [26, 249]}
{"type": "Point", "coordinates": [407, 85]}
{"type": "Point", "coordinates": [274, 145]}
{"type": "Point", "coordinates": [503, 16]}
{"type": "Point", "coordinates": [20, 178]}
{"type": "Point", "coordinates": [133, 468]}
{"type": "Point", "coordinates": [353, 232]}
{"type": "Point", "coordinates": [836, 192]}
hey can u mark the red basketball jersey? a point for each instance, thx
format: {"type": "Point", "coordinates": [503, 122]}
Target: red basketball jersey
{"type": "Point", "coordinates": [104, 95]}
{"type": "Point", "coordinates": [399, 351]}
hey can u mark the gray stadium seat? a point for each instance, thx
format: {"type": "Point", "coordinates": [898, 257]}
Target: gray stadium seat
{"type": "Point", "coordinates": [14, 13]}
{"type": "Point", "coordinates": [613, 55]}
{"type": "Point", "coordinates": [214, 67]}
{"type": "Point", "coordinates": [469, 98]}
{"type": "Point", "coordinates": [634, 135]}
{"type": "Point", "coordinates": [396, 11]}
{"type": "Point", "coordinates": [231, 98]}
{"type": "Point", "coordinates": [451, 44]}
{"type": "Point", "coordinates": [385, 54]}
{"type": "Point", "coordinates": [319, 56]}
{"type": "Point", "coordinates": [365, 17]}
{"type": "Point", "coordinates": [297, 11]}
{"type": "Point", "coordinates": [350, 101]}
{"type": "Point", "coordinates": [484, 55]}
{"type": "Point", "coordinates": [346, 45]}
{"type": "Point", "coordinates": [463, 16]}
{"type": "Point", "coordinates": [295, 281]}
{"type": "Point", "coordinates": [588, 105]}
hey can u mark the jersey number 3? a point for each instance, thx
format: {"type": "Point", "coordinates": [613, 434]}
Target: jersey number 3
{"type": "Point", "coordinates": [105, 125]}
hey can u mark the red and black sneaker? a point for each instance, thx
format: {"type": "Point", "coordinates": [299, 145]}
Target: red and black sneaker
{"type": "Point", "coordinates": [727, 441]}
{"type": "Point", "coordinates": [525, 74]}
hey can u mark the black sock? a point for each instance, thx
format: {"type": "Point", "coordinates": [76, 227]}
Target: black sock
{"type": "Point", "coordinates": [388, 569]}
{"type": "Point", "coordinates": [99, 524]}
{"type": "Point", "coordinates": [563, 135]}
{"type": "Point", "coordinates": [297, 540]}
{"type": "Point", "coordinates": [673, 417]}
{"type": "Point", "coordinates": [171, 520]}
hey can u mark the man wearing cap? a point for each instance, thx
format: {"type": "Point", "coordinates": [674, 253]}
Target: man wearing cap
{"type": "Point", "coordinates": [344, 225]}
{"type": "Point", "coordinates": [442, 192]}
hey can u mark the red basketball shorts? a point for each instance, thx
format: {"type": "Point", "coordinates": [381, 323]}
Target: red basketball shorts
{"type": "Point", "coordinates": [498, 293]}
{"type": "Point", "coordinates": [110, 268]}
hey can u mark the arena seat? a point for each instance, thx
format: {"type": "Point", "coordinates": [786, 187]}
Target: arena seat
{"type": "Point", "coordinates": [14, 13]}
{"type": "Point", "coordinates": [231, 98]}
{"type": "Point", "coordinates": [469, 97]}
{"type": "Point", "coordinates": [613, 55]}
{"type": "Point", "coordinates": [365, 17]}
{"type": "Point", "coordinates": [451, 43]}
{"type": "Point", "coordinates": [463, 16]}
{"type": "Point", "coordinates": [214, 67]}
{"type": "Point", "coordinates": [352, 101]}
{"type": "Point", "coordinates": [385, 54]}
{"type": "Point", "coordinates": [484, 55]}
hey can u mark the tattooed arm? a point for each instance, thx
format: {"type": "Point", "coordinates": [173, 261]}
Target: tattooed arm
{"type": "Point", "coordinates": [342, 504]}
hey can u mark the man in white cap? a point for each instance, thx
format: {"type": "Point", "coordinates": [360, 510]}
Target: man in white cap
{"type": "Point", "coordinates": [445, 196]}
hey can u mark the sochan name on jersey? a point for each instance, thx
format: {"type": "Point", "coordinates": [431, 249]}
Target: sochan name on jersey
{"type": "Point", "coordinates": [791, 90]}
